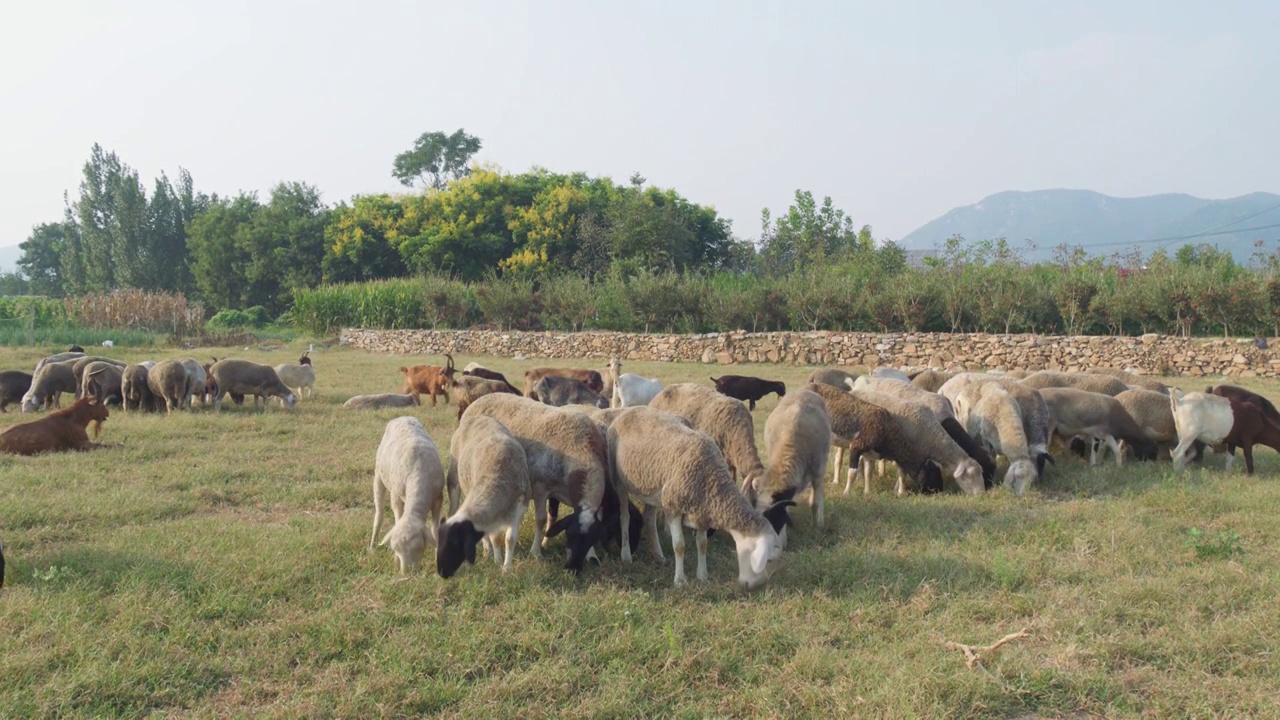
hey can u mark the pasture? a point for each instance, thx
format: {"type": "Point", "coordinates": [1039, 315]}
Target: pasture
{"type": "Point", "coordinates": [216, 565]}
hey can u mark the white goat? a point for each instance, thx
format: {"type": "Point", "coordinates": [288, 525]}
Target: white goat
{"type": "Point", "coordinates": [1199, 416]}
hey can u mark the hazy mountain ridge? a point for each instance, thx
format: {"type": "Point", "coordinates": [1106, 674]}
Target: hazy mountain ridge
{"type": "Point", "coordinates": [1103, 224]}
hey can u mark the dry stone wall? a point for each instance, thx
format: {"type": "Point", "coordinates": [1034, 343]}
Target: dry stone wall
{"type": "Point", "coordinates": [1149, 354]}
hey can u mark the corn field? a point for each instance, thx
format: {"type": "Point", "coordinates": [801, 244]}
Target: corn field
{"type": "Point", "coordinates": [132, 309]}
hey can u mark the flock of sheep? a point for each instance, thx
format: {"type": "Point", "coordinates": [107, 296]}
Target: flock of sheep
{"type": "Point", "coordinates": [601, 442]}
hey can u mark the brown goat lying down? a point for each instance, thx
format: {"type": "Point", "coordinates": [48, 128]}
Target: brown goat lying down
{"type": "Point", "coordinates": [59, 431]}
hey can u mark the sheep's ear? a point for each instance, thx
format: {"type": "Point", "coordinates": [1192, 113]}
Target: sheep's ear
{"type": "Point", "coordinates": [386, 538]}
{"type": "Point", "coordinates": [562, 524]}
{"type": "Point", "coordinates": [760, 555]}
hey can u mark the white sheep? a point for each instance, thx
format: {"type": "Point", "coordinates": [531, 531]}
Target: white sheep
{"type": "Point", "coordinates": [196, 377]}
{"type": "Point", "coordinates": [379, 401]}
{"type": "Point", "coordinates": [725, 419]}
{"type": "Point", "coordinates": [489, 465]}
{"type": "Point", "coordinates": [407, 469]}
{"type": "Point", "coordinates": [692, 485]}
{"type": "Point", "coordinates": [994, 418]}
{"type": "Point", "coordinates": [891, 373]}
{"type": "Point", "coordinates": [1094, 415]}
{"type": "Point", "coordinates": [1199, 416]}
{"type": "Point", "coordinates": [905, 390]}
{"type": "Point", "coordinates": [298, 376]}
{"type": "Point", "coordinates": [1035, 413]}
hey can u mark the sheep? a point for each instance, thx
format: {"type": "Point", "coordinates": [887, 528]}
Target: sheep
{"type": "Point", "coordinates": [59, 357]}
{"type": "Point", "coordinates": [242, 376]}
{"type": "Point", "coordinates": [1134, 381]}
{"type": "Point", "coordinates": [860, 427]}
{"type": "Point", "coordinates": [727, 422]}
{"type": "Point", "coordinates": [930, 380]}
{"type": "Point", "coordinates": [748, 389]}
{"type": "Point", "coordinates": [567, 460]}
{"type": "Point", "coordinates": [474, 370]}
{"type": "Point", "coordinates": [59, 431]}
{"type": "Point", "coordinates": [630, 389]}
{"type": "Point", "coordinates": [890, 374]}
{"type": "Point", "coordinates": [1090, 382]}
{"type": "Point", "coordinates": [47, 386]}
{"type": "Point", "coordinates": [993, 417]}
{"type": "Point", "coordinates": [905, 390]}
{"type": "Point", "coordinates": [925, 439]}
{"type": "Point", "coordinates": [135, 392]}
{"type": "Point", "coordinates": [467, 388]}
{"type": "Point", "coordinates": [591, 378]}
{"type": "Point", "coordinates": [406, 469]}
{"type": "Point", "coordinates": [430, 380]}
{"type": "Point", "coordinates": [1200, 417]}
{"type": "Point", "coordinates": [1150, 409]}
{"type": "Point", "coordinates": [831, 376]}
{"type": "Point", "coordinates": [168, 383]}
{"type": "Point", "coordinates": [1035, 414]}
{"type": "Point", "coordinates": [298, 376]}
{"type": "Point", "coordinates": [377, 402]}
{"type": "Point", "coordinates": [488, 464]}
{"type": "Point", "coordinates": [606, 416]}
{"type": "Point", "coordinates": [1094, 415]}
{"type": "Point", "coordinates": [77, 368]}
{"type": "Point", "coordinates": [102, 381]}
{"type": "Point", "coordinates": [694, 488]}
{"type": "Point", "coordinates": [197, 382]}
{"type": "Point", "coordinates": [561, 391]}
{"type": "Point", "coordinates": [13, 385]}
{"type": "Point", "coordinates": [797, 439]}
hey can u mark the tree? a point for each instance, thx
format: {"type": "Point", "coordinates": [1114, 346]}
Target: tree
{"type": "Point", "coordinates": [809, 233]}
{"type": "Point", "coordinates": [41, 260]}
{"type": "Point", "coordinates": [220, 251]}
{"type": "Point", "coordinates": [436, 158]}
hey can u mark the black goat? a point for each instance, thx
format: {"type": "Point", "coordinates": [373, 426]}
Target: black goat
{"type": "Point", "coordinates": [748, 389]}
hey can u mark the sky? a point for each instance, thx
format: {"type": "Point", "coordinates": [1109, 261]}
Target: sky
{"type": "Point", "coordinates": [899, 111]}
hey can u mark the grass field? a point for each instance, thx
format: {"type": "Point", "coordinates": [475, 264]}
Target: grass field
{"type": "Point", "coordinates": [215, 565]}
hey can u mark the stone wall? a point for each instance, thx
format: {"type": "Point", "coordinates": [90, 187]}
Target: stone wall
{"type": "Point", "coordinates": [1148, 354]}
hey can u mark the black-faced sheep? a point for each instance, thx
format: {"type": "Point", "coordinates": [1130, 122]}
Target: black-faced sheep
{"type": "Point", "coordinates": [797, 438]}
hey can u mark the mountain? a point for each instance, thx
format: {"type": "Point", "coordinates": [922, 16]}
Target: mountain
{"type": "Point", "coordinates": [9, 258]}
{"type": "Point", "coordinates": [1103, 224]}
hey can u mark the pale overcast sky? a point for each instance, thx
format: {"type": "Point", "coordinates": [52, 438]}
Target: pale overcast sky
{"type": "Point", "coordinates": [898, 110]}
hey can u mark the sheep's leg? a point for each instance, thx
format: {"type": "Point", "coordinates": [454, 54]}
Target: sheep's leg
{"type": "Point", "coordinates": [624, 521]}
{"type": "Point", "coordinates": [836, 463]}
{"type": "Point", "coordinates": [1115, 449]}
{"type": "Point", "coordinates": [378, 501]}
{"type": "Point", "coordinates": [815, 502]}
{"type": "Point", "coordinates": [553, 511]}
{"type": "Point", "coordinates": [675, 524]}
{"type": "Point", "coordinates": [539, 524]}
{"type": "Point", "coordinates": [651, 529]}
{"type": "Point", "coordinates": [865, 466]}
{"type": "Point", "coordinates": [1179, 455]}
{"type": "Point", "coordinates": [1093, 453]}
{"type": "Point", "coordinates": [700, 543]}
{"type": "Point", "coordinates": [513, 532]}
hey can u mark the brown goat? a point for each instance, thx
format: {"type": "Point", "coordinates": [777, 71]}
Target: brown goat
{"type": "Point", "coordinates": [591, 378]}
{"type": "Point", "coordinates": [59, 431]}
{"type": "Point", "coordinates": [1252, 425]}
{"type": "Point", "coordinates": [430, 380]}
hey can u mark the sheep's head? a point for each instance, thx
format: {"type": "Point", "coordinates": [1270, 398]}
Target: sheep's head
{"type": "Point", "coordinates": [1020, 474]}
{"type": "Point", "coordinates": [30, 403]}
{"type": "Point", "coordinates": [304, 360]}
{"type": "Point", "coordinates": [290, 401]}
{"type": "Point", "coordinates": [757, 557]}
{"type": "Point", "coordinates": [582, 532]}
{"type": "Point", "coordinates": [968, 475]}
{"type": "Point", "coordinates": [457, 543]}
{"type": "Point", "coordinates": [408, 540]}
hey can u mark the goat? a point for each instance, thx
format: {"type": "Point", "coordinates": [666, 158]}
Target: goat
{"type": "Point", "coordinates": [59, 431]}
{"type": "Point", "coordinates": [748, 389]}
{"type": "Point", "coordinates": [430, 380]}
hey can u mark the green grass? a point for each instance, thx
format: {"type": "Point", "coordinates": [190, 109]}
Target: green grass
{"type": "Point", "coordinates": [215, 565]}
{"type": "Point", "coordinates": [64, 336]}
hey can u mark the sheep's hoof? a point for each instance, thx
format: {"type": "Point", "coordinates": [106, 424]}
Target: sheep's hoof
{"type": "Point", "coordinates": [681, 581]}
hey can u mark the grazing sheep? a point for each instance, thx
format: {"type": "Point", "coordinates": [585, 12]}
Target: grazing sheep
{"type": "Point", "coordinates": [77, 368]}
{"type": "Point", "coordinates": [860, 428]}
{"type": "Point", "coordinates": [748, 389]}
{"type": "Point", "coordinates": [561, 391]}
{"type": "Point", "coordinates": [926, 440]}
{"type": "Point", "coordinates": [467, 388]}
{"type": "Point", "coordinates": [377, 402]}
{"type": "Point", "coordinates": [606, 416]}
{"type": "Point", "coordinates": [59, 357]}
{"type": "Point", "coordinates": [168, 383]}
{"type": "Point", "coordinates": [797, 439]}
{"type": "Point", "coordinates": [1094, 415]}
{"type": "Point", "coordinates": [430, 380]}
{"type": "Point", "coordinates": [727, 422]}
{"type": "Point", "coordinates": [831, 376]}
{"type": "Point", "coordinates": [197, 382]}
{"type": "Point", "coordinates": [905, 390]}
{"type": "Point", "coordinates": [474, 370]}
{"type": "Point", "coordinates": [59, 431]}
{"type": "Point", "coordinates": [930, 380]}
{"type": "Point", "coordinates": [693, 487]}
{"type": "Point", "coordinates": [993, 417]}
{"type": "Point", "coordinates": [1035, 414]}
{"type": "Point", "coordinates": [102, 381]}
{"type": "Point", "coordinates": [299, 376]}
{"type": "Point", "coordinates": [407, 469]}
{"type": "Point", "coordinates": [1134, 381]}
{"type": "Point", "coordinates": [489, 465]}
{"type": "Point", "coordinates": [1150, 409]}
{"type": "Point", "coordinates": [890, 374]}
{"type": "Point", "coordinates": [1202, 417]}
{"type": "Point", "coordinates": [135, 392]}
{"type": "Point", "coordinates": [1089, 382]}
{"type": "Point", "coordinates": [591, 378]}
{"type": "Point", "coordinates": [13, 385]}
{"type": "Point", "coordinates": [242, 376]}
{"type": "Point", "coordinates": [630, 389]}
{"type": "Point", "coordinates": [567, 460]}
{"type": "Point", "coordinates": [47, 386]}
